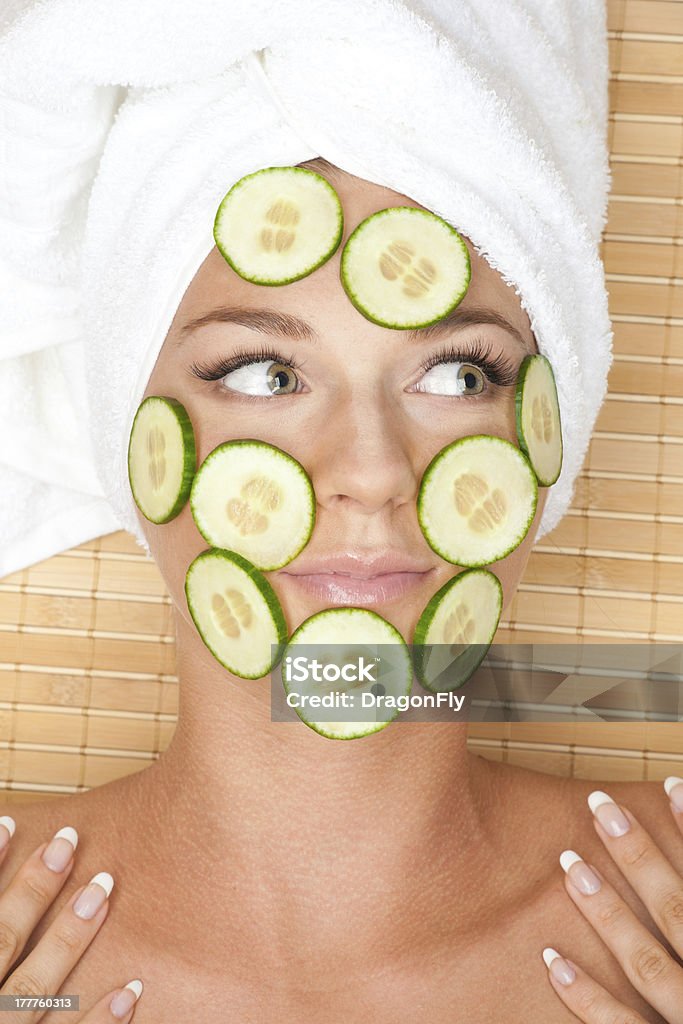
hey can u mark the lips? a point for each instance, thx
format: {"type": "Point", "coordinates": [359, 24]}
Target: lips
{"type": "Point", "coordinates": [361, 565]}
{"type": "Point", "coordinates": [359, 578]}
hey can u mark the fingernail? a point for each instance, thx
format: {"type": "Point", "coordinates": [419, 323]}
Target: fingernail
{"type": "Point", "coordinates": [61, 849]}
{"type": "Point", "coordinates": [126, 998]}
{"type": "Point", "coordinates": [559, 967]}
{"type": "Point", "coordinates": [94, 895]}
{"type": "Point", "coordinates": [581, 876]}
{"type": "Point", "coordinates": [674, 790]}
{"type": "Point", "coordinates": [612, 819]}
{"type": "Point", "coordinates": [8, 831]}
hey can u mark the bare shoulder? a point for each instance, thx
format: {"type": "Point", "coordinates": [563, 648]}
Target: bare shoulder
{"type": "Point", "coordinates": [90, 813]}
{"type": "Point", "coordinates": [37, 822]}
{"type": "Point", "coordinates": [648, 802]}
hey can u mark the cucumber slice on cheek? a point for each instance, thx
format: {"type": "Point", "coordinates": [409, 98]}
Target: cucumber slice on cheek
{"type": "Point", "coordinates": [236, 612]}
{"type": "Point", "coordinates": [477, 500]}
{"type": "Point", "coordinates": [355, 633]}
{"type": "Point", "coordinates": [537, 414]}
{"type": "Point", "coordinates": [251, 497]}
{"type": "Point", "coordinates": [278, 225]}
{"type": "Point", "coordinates": [162, 458]}
{"type": "Point", "coordinates": [405, 268]}
{"type": "Point", "coordinates": [456, 629]}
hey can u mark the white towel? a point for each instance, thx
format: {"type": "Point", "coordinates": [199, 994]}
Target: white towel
{"type": "Point", "coordinates": [123, 125]}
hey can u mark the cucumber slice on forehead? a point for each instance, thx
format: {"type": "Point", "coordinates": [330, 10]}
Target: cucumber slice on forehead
{"type": "Point", "coordinates": [477, 500]}
{"type": "Point", "coordinates": [339, 637]}
{"type": "Point", "coordinates": [537, 414]}
{"type": "Point", "coordinates": [405, 268]}
{"type": "Point", "coordinates": [456, 629]}
{"type": "Point", "coordinates": [251, 497]}
{"type": "Point", "coordinates": [236, 612]}
{"type": "Point", "coordinates": [278, 224]}
{"type": "Point", "coordinates": [162, 458]}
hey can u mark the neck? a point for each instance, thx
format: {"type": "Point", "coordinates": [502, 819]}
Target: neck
{"type": "Point", "coordinates": [311, 838]}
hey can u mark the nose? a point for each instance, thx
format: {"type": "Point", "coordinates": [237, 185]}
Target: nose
{"type": "Point", "coordinates": [365, 456]}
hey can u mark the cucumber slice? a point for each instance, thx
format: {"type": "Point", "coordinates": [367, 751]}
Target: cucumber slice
{"type": "Point", "coordinates": [403, 267]}
{"type": "Point", "coordinates": [537, 414]}
{"type": "Point", "coordinates": [162, 458]}
{"type": "Point", "coordinates": [236, 612]}
{"type": "Point", "coordinates": [251, 497]}
{"type": "Point", "coordinates": [477, 500]}
{"type": "Point", "coordinates": [339, 637]}
{"type": "Point", "coordinates": [456, 629]}
{"type": "Point", "coordinates": [278, 224]}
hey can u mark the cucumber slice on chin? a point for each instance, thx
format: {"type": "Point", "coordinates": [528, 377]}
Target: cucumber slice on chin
{"type": "Point", "coordinates": [405, 267]}
{"type": "Point", "coordinates": [477, 500]}
{"type": "Point", "coordinates": [236, 612]}
{"type": "Point", "coordinates": [339, 637]}
{"type": "Point", "coordinates": [162, 458]}
{"type": "Point", "coordinates": [456, 629]}
{"type": "Point", "coordinates": [278, 224]}
{"type": "Point", "coordinates": [537, 416]}
{"type": "Point", "coordinates": [251, 497]}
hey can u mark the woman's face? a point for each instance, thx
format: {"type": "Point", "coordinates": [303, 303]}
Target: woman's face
{"type": "Point", "coordinates": [363, 408]}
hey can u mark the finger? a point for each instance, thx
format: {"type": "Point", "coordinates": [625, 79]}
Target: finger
{"type": "Point", "coordinates": [118, 1005]}
{"type": "Point", "coordinates": [674, 790]}
{"type": "Point", "coordinates": [643, 864]}
{"type": "Point", "coordinates": [587, 1000]}
{"type": "Point", "coordinates": [61, 947]}
{"type": "Point", "coordinates": [6, 832]}
{"type": "Point", "coordinates": [649, 967]}
{"type": "Point", "coordinates": [31, 891]}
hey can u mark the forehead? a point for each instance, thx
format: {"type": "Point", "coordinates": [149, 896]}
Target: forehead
{"type": "Point", "coordinates": [215, 281]}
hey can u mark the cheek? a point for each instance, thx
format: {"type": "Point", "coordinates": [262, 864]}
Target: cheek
{"type": "Point", "coordinates": [511, 569]}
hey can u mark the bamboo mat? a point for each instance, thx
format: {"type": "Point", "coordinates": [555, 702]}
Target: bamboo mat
{"type": "Point", "coordinates": [87, 685]}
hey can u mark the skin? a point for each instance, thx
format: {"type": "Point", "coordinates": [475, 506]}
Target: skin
{"type": "Point", "coordinates": [293, 877]}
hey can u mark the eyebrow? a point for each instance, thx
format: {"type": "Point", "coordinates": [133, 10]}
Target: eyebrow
{"type": "Point", "coordinates": [285, 325]}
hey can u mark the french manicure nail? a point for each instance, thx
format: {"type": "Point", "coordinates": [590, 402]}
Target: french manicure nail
{"type": "Point", "coordinates": [8, 832]}
{"type": "Point", "coordinates": [581, 876]}
{"type": "Point", "coordinates": [123, 1001]}
{"type": "Point", "coordinates": [559, 967]}
{"type": "Point", "coordinates": [674, 790]}
{"type": "Point", "coordinates": [93, 896]}
{"type": "Point", "coordinates": [61, 849]}
{"type": "Point", "coordinates": [612, 819]}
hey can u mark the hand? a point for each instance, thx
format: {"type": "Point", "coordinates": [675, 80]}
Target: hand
{"type": "Point", "coordinates": [23, 903]}
{"type": "Point", "coordinates": [650, 968]}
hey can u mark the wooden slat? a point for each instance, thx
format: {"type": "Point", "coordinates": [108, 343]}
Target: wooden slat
{"type": "Point", "coordinates": [647, 138]}
{"type": "Point", "coordinates": [643, 259]}
{"type": "Point", "coordinates": [637, 57]}
{"type": "Point", "coordinates": [642, 179]}
{"type": "Point", "coordinates": [660, 99]}
{"type": "Point", "coordinates": [643, 218]}
{"type": "Point", "coordinates": [645, 16]}
{"type": "Point", "coordinates": [648, 339]}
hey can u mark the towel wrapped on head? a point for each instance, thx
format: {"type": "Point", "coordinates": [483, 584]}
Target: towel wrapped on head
{"type": "Point", "coordinates": [125, 124]}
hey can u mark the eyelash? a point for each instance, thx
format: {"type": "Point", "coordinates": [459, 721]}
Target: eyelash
{"type": "Point", "coordinates": [498, 369]}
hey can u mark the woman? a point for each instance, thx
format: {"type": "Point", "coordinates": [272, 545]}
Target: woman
{"type": "Point", "coordinates": [263, 872]}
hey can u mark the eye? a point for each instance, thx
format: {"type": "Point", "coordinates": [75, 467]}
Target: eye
{"type": "Point", "coordinates": [452, 378]}
{"type": "Point", "coordinates": [469, 369]}
{"type": "Point", "coordinates": [259, 373]}
{"type": "Point", "coordinates": [262, 378]}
